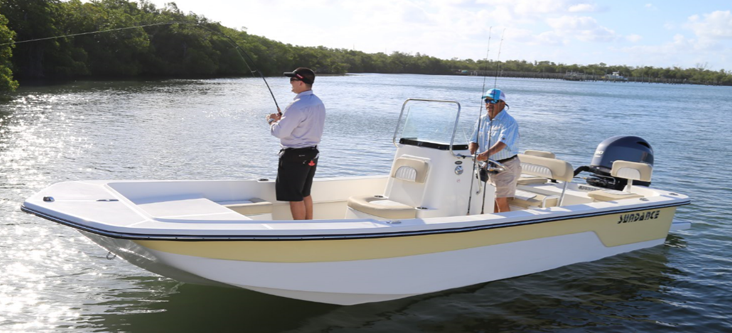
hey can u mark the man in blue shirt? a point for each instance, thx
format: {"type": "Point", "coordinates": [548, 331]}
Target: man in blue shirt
{"type": "Point", "coordinates": [498, 139]}
{"type": "Point", "coordinates": [299, 129]}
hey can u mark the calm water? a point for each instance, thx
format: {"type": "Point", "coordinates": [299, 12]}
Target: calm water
{"type": "Point", "coordinates": [54, 279]}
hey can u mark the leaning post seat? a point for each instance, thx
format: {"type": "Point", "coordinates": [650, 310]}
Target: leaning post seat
{"type": "Point", "coordinates": [540, 153]}
{"type": "Point", "coordinates": [526, 179]}
{"type": "Point", "coordinates": [403, 194]}
{"type": "Point", "coordinates": [627, 170]}
{"type": "Point", "coordinates": [544, 168]}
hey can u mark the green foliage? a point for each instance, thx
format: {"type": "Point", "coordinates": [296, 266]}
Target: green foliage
{"type": "Point", "coordinates": [6, 52]}
{"type": "Point", "coordinates": [121, 38]}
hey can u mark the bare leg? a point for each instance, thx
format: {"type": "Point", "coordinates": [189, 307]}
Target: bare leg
{"type": "Point", "coordinates": [502, 205]}
{"type": "Point", "coordinates": [308, 207]}
{"type": "Point", "coordinates": [298, 210]}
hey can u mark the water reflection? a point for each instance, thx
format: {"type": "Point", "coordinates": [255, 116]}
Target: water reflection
{"type": "Point", "coordinates": [182, 307]}
{"type": "Point", "coordinates": [603, 294]}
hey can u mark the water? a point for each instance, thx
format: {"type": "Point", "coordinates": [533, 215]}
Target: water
{"type": "Point", "coordinates": [54, 279]}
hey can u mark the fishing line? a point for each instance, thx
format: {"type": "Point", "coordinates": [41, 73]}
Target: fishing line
{"type": "Point", "coordinates": [242, 54]}
{"type": "Point", "coordinates": [490, 123]}
{"type": "Point", "coordinates": [252, 71]}
{"type": "Point", "coordinates": [85, 33]}
{"type": "Point", "coordinates": [480, 114]}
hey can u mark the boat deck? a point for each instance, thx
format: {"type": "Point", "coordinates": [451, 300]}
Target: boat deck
{"type": "Point", "coordinates": [199, 210]}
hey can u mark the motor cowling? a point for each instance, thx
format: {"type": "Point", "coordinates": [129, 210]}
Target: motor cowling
{"type": "Point", "coordinates": [625, 148]}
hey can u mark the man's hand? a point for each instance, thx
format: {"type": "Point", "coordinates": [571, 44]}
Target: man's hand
{"type": "Point", "coordinates": [273, 117]}
{"type": "Point", "coordinates": [482, 156]}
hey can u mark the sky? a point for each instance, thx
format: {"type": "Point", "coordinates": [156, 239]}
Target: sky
{"type": "Point", "coordinates": [669, 33]}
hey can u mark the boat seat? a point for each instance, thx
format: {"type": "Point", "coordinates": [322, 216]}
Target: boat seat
{"type": "Point", "coordinates": [542, 169]}
{"type": "Point", "coordinates": [540, 153]}
{"type": "Point", "coordinates": [381, 207]}
{"type": "Point", "coordinates": [404, 193]}
{"type": "Point", "coordinates": [529, 179]}
{"type": "Point", "coordinates": [627, 170]}
{"type": "Point", "coordinates": [250, 207]}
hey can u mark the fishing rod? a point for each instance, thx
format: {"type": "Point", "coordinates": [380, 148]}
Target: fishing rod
{"type": "Point", "coordinates": [480, 114]}
{"type": "Point", "coordinates": [490, 123]}
{"type": "Point", "coordinates": [242, 54]}
{"type": "Point", "coordinates": [252, 71]}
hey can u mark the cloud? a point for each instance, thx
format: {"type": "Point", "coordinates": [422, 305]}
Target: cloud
{"type": "Point", "coordinates": [650, 6]}
{"type": "Point", "coordinates": [633, 38]}
{"type": "Point", "coordinates": [583, 28]}
{"type": "Point", "coordinates": [583, 7]}
{"type": "Point", "coordinates": [538, 8]}
{"type": "Point", "coordinates": [551, 38]}
{"type": "Point", "coordinates": [715, 26]}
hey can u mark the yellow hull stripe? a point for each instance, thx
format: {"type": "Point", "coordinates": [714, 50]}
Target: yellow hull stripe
{"type": "Point", "coordinates": [613, 230]}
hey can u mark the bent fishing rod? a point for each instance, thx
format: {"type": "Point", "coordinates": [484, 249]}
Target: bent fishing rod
{"type": "Point", "coordinates": [242, 54]}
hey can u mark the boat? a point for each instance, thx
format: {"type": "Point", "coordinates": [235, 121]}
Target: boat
{"type": "Point", "coordinates": [615, 76]}
{"type": "Point", "coordinates": [425, 226]}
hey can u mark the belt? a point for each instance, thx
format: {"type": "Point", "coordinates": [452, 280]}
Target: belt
{"type": "Point", "coordinates": [303, 148]}
{"type": "Point", "coordinates": [506, 159]}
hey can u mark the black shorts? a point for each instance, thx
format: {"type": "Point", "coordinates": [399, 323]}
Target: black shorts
{"type": "Point", "coordinates": [295, 173]}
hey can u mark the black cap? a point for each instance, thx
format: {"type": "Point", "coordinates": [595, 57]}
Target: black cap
{"type": "Point", "coordinates": [304, 74]}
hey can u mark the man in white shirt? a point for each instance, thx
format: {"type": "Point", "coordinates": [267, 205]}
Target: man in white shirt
{"type": "Point", "coordinates": [300, 129]}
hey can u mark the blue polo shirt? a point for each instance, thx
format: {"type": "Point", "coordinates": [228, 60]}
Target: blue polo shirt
{"type": "Point", "coordinates": [502, 128]}
{"type": "Point", "coordinates": [302, 122]}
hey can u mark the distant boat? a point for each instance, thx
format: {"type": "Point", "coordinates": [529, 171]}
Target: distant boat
{"type": "Point", "coordinates": [615, 76]}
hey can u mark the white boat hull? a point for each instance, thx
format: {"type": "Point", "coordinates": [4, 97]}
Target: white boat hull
{"type": "Point", "coordinates": [348, 271]}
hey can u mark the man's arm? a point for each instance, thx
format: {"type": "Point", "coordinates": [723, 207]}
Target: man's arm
{"type": "Point", "coordinates": [473, 147]}
{"type": "Point", "coordinates": [286, 124]}
{"type": "Point", "coordinates": [491, 151]}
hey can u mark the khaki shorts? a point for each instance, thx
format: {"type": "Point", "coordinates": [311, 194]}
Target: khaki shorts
{"type": "Point", "coordinates": [505, 181]}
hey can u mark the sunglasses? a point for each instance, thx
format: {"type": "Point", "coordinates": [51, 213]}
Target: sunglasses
{"type": "Point", "coordinates": [492, 101]}
{"type": "Point", "coordinates": [293, 79]}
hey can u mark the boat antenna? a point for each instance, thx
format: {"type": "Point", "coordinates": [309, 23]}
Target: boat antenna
{"type": "Point", "coordinates": [242, 54]}
{"type": "Point", "coordinates": [480, 114]}
{"type": "Point", "coordinates": [490, 123]}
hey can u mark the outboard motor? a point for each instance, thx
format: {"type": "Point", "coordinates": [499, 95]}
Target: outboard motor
{"type": "Point", "coordinates": [625, 148]}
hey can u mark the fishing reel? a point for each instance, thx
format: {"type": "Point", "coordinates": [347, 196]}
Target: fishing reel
{"type": "Point", "coordinates": [489, 167]}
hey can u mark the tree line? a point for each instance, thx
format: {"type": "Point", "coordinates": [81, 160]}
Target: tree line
{"type": "Point", "coordinates": [124, 39]}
